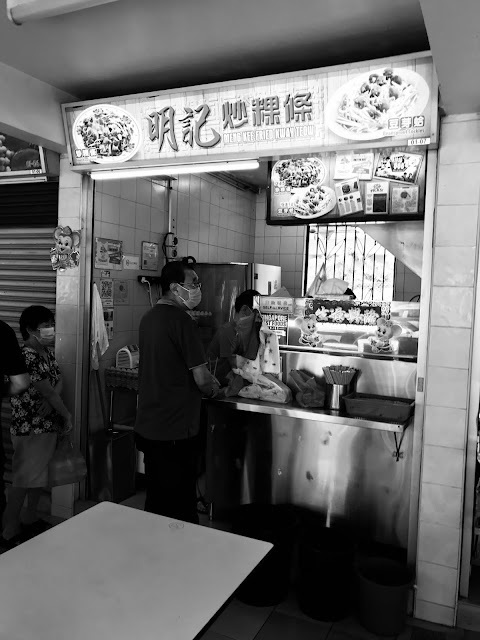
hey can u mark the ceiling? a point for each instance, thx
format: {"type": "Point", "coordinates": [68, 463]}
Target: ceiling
{"type": "Point", "coordinates": [131, 46]}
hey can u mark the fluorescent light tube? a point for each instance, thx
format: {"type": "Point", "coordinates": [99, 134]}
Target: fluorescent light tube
{"type": "Point", "coordinates": [165, 170]}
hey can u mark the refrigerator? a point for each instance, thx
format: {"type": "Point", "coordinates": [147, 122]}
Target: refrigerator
{"type": "Point", "coordinates": [222, 283]}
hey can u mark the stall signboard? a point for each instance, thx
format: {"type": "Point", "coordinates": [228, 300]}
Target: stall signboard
{"type": "Point", "coordinates": [379, 103]}
{"type": "Point", "coordinates": [19, 158]}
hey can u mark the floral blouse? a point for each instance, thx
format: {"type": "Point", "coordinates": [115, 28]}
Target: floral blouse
{"type": "Point", "coordinates": [25, 418]}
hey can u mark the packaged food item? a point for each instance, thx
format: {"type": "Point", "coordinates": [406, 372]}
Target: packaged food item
{"type": "Point", "coordinates": [349, 199]}
{"type": "Point", "coordinates": [376, 197]}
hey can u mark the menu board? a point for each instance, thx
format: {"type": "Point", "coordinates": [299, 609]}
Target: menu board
{"type": "Point", "coordinates": [18, 157]}
{"type": "Point", "coordinates": [327, 187]}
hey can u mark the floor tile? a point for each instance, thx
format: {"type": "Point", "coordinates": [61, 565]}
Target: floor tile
{"type": "Point", "coordinates": [211, 635]}
{"type": "Point", "coordinates": [135, 502]}
{"type": "Point", "coordinates": [351, 627]}
{"type": "Point", "coordinates": [240, 621]}
{"type": "Point", "coordinates": [343, 635]}
{"type": "Point", "coordinates": [282, 627]}
{"type": "Point", "coordinates": [289, 607]}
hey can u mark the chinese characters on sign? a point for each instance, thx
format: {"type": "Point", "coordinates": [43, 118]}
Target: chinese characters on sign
{"type": "Point", "coordinates": [235, 115]}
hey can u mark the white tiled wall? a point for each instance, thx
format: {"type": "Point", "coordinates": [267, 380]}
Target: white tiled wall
{"type": "Point", "coordinates": [214, 222]}
{"type": "Point", "coordinates": [448, 374]}
{"type": "Point", "coordinates": [406, 284]}
{"type": "Point", "coordinates": [282, 246]}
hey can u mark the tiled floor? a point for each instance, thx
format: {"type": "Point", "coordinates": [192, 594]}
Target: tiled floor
{"type": "Point", "coordinates": [238, 621]}
{"type": "Point", "coordinates": [286, 621]}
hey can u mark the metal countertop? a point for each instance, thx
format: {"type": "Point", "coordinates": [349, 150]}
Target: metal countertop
{"type": "Point", "coordinates": [319, 415]}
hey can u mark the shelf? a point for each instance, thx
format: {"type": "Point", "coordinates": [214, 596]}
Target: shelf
{"type": "Point", "coordinates": [361, 218]}
{"type": "Point", "coordinates": [317, 415]}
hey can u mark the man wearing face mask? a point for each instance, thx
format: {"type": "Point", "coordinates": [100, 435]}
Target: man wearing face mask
{"type": "Point", "coordinates": [239, 336]}
{"type": "Point", "coordinates": [173, 376]}
{"type": "Point", "coordinates": [38, 417]}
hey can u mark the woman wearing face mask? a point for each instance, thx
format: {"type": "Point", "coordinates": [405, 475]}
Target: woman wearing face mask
{"type": "Point", "coordinates": [38, 415]}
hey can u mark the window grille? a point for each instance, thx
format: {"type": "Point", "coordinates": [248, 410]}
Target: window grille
{"type": "Point", "coordinates": [348, 253]}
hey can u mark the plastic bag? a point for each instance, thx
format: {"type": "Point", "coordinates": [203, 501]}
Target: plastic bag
{"type": "Point", "coordinates": [267, 387]}
{"type": "Point", "coordinates": [67, 465]}
{"type": "Point", "coordinates": [308, 392]}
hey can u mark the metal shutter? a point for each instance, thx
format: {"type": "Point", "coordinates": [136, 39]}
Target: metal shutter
{"type": "Point", "coordinates": [26, 277]}
{"type": "Point", "coordinates": [29, 204]}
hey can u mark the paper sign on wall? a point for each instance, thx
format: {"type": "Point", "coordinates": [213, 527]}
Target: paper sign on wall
{"type": "Point", "coordinates": [108, 253]}
{"type": "Point", "coordinates": [106, 292]}
{"type": "Point", "coordinates": [131, 262]}
{"type": "Point", "coordinates": [120, 293]}
{"type": "Point", "coordinates": [108, 319]}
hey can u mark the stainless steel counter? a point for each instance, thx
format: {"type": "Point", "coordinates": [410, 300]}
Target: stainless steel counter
{"type": "Point", "coordinates": [348, 470]}
{"type": "Point", "coordinates": [322, 415]}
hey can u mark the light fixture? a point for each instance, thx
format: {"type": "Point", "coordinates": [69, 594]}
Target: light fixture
{"type": "Point", "coordinates": [20, 11]}
{"type": "Point", "coordinates": [174, 169]}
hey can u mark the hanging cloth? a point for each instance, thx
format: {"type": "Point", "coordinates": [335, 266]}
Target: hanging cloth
{"type": "Point", "coordinates": [99, 335]}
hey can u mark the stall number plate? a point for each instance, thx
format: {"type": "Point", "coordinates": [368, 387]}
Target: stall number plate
{"type": "Point", "coordinates": [418, 142]}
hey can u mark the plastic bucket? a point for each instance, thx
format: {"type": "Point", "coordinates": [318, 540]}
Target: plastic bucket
{"type": "Point", "coordinates": [383, 595]}
{"type": "Point", "coordinates": [325, 577]}
{"type": "Point", "coordinates": [269, 582]}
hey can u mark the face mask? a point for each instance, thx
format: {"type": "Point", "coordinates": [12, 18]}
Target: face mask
{"type": "Point", "coordinates": [250, 320]}
{"type": "Point", "coordinates": [194, 297]}
{"type": "Point", "coordinates": [47, 335]}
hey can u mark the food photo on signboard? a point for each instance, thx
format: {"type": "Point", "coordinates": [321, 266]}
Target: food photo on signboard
{"type": "Point", "coordinates": [379, 184]}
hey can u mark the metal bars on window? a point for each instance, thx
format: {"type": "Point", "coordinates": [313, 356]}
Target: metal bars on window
{"type": "Point", "coordinates": [348, 253]}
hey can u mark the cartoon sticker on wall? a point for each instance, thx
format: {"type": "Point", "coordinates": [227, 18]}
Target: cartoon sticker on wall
{"type": "Point", "coordinates": [65, 254]}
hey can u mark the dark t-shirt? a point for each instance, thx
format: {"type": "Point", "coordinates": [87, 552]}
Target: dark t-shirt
{"type": "Point", "coordinates": [168, 399]}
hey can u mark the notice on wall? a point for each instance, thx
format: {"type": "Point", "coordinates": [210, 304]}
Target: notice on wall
{"type": "Point", "coordinates": [108, 254]}
{"type": "Point", "coordinates": [120, 292]}
{"type": "Point", "coordinates": [150, 256]}
{"type": "Point", "coordinates": [108, 315]}
{"type": "Point", "coordinates": [131, 262]}
{"type": "Point", "coordinates": [106, 292]}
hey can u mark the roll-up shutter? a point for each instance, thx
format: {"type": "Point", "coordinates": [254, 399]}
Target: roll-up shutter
{"type": "Point", "coordinates": [26, 274]}
{"type": "Point", "coordinates": [28, 204]}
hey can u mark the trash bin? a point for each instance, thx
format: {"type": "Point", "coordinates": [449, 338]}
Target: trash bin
{"type": "Point", "coordinates": [383, 595]}
{"type": "Point", "coordinates": [269, 582]}
{"type": "Point", "coordinates": [325, 576]}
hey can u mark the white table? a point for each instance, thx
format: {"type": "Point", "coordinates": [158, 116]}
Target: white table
{"type": "Point", "coordinates": [118, 573]}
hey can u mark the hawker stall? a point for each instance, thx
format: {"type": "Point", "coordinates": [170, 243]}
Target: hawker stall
{"type": "Point", "coordinates": [341, 443]}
